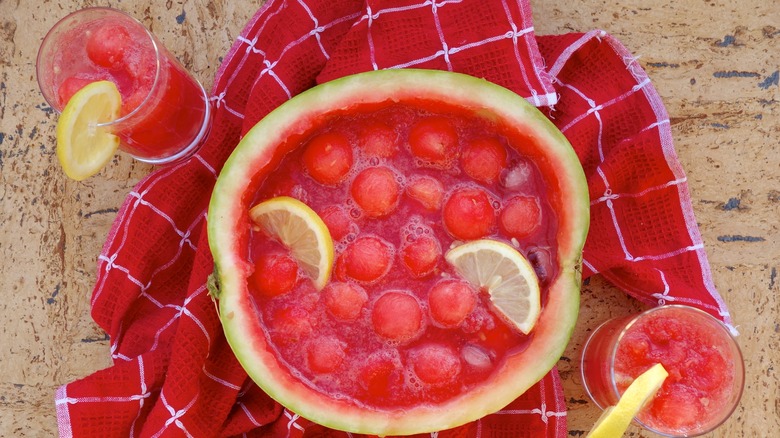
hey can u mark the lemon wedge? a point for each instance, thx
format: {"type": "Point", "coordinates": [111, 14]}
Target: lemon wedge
{"type": "Point", "coordinates": [302, 231]}
{"type": "Point", "coordinates": [83, 147]}
{"type": "Point", "coordinates": [506, 275]}
{"type": "Point", "coordinates": [615, 419]}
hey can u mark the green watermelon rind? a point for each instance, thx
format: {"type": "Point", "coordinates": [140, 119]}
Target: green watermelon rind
{"type": "Point", "coordinates": [228, 225]}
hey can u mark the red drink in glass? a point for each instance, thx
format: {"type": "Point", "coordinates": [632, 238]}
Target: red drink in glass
{"type": "Point", "coordinates": [165, 112]}
{"type": "Point", "coordinates": [706, 371]}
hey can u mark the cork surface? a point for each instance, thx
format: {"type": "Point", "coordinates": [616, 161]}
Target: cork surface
{"type": "Point", "coordinates": [715, 64]}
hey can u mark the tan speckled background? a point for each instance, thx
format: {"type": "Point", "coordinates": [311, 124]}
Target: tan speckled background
{"type": "Point", "coordinates": [715, 64]}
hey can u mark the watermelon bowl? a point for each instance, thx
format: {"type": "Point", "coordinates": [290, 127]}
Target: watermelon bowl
{"type": "Point", "coordinates": [399, 167]}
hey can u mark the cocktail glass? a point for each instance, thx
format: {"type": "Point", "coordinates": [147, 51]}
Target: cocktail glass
{"type": "Point", "coordinates": [165, 113]}
{"type": "Point", "coordinates": [705, 365]}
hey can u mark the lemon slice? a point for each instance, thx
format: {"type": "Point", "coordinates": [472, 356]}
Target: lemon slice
{"type": "Point", "coordinates": [506, 275]}
{"type": "Point", "coordinates": [83, 148]}
{"type": "Point", "coordinates": [302, 231]}
{"type": "Point", "coordinates": [615, 419]}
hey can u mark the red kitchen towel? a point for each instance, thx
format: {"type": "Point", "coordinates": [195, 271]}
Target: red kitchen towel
{"type": "Point", "coordinates": [174, 373]}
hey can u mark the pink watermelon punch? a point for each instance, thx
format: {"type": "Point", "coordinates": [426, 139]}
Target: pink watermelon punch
{"type": "Point", "coordinates": [705, 365]}
{"type": "Point", "coordinates": [165, 112]}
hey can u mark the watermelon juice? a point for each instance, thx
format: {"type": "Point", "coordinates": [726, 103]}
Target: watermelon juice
{"type": "Point", "coordinates": [165, 112]}
{"type": "Point", "coordinates": [706, 371]}
{"type": "Point", "coordinates": [397, 185]}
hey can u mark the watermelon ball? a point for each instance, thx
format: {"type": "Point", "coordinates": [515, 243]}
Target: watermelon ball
{"type": "Point", "coordinates": [328, 158]}
{"type": "Point", "coordinates": [379, 373]}
{"type": "Point", "coordinates": [435, 363]}
{"type": "Point", "coordinates": [421, 255]}
{"type": "Point", "coordinates": [710, 373]}
{"type": "Point", "coordinates": [337, 220]}
{"type": "Point", "coordinates": [107, 44]}
{"type": "Point", "coordinates": [325, 354]}
{"type": "Point", "coordinates": [275, 274]}
{"type": "Point", "coordinates": [397, 316]}
{"type": "Point", "coordinates": [344, 300]}
{"type": "Point", "coordinates": [679, 406]}
{"type": "Point", "coordinates": [520, 216]}
{"type": "Point", "coordinates": [366, 259]}
{"type": "Point", "coordinates": [69, 87]}
{"type": "Point", "coordinates": [483, 159]}
{"type": "Point", "coordinates": [634, 352]}
{"type": "Point", "coordinates": [451, 301]}
{"type": "Point", "coordinates": [479, 320]}
{"type": "Point", "coordinates": [426, 190]}
{"type": "Point", "coordinates": [289, 324]}
{"type": "Point", "coordinates": [665, 331]}
{"type": "Point", "coordinates": [468, 214]}
{"type": "Point", "coordinates": [434, 141]}
{"type": "Point", "coordinates": [376, 191]}
{"type": "Point", "coordinates": [377, 139]}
